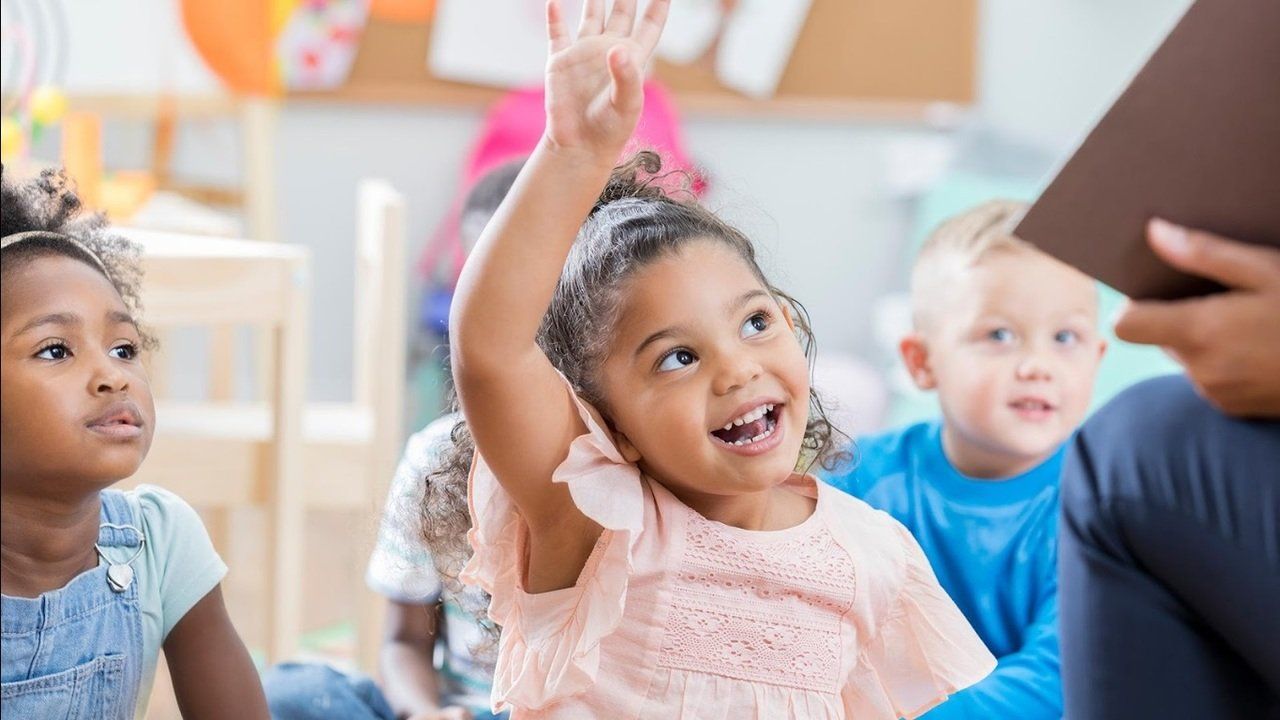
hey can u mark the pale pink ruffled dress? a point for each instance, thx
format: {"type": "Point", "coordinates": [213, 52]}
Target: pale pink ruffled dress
{"type": "Point", "coordinates": [676, 616]}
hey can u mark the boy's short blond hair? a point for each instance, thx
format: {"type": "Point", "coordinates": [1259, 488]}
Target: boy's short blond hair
{"type": "Point", "coordinates": [959, 242]}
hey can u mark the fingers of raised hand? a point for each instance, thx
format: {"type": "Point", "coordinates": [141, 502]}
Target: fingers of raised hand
{"type": "Point", "coordinates": [622, 18]}
{"type": "Point", "coordinates": [620, 21]}
{"type": "Point", "coordinates": [626, 88]}
{"type": "Point", "coordinates": [557, 33]}
{"type": "Point", "coordinates": [592, 22]}
{"type": "Point", "coordinates": [649, 29]}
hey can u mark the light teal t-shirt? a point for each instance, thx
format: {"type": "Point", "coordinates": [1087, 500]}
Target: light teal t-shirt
{"type": "Point", "coordinates": [176, 569]}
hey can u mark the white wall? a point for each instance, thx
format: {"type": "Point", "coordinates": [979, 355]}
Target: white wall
{"type": "Point", "coordinates": [1050, 67]}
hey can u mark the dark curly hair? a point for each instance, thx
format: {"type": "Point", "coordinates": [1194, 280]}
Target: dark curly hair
{"type": "Point", "coordinates": [47, 203]}
{"type": "Point", "coordinates": [640, 217]}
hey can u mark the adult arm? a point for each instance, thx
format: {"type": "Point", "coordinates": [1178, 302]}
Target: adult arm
{"type": "Point", "coordinates": [1228, 342]}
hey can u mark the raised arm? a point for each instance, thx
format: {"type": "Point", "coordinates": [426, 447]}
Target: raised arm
{"type": "Point", "coordinates": [515, 404]}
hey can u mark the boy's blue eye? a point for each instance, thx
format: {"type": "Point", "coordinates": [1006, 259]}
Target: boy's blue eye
{"type": "Point", "coordinates": [127, 351]}
{"type": "Point", "coordinates": [755, 325]}
{"type": "Point", "coordinates": [1066, 337]}
{"type": "Point", "coordinates": [676, 359]}
{"type": "Point", "coordinates": [1001, 335]}
{"type": "Point", "coordinates": [57, 351]}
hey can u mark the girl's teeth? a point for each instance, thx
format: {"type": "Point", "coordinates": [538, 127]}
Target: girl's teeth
{"type": "Point", "coordinates": [749, 417]}
{"type": "Point", "coordinates": [768, 431]}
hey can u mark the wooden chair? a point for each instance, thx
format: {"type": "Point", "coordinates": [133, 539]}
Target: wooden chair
{"type": "Point", "coordinates": [348, 451]}
{"type": "Point", "coordinates": [200, 281]}
{"type": "Point", "coordinates": [352, 449]}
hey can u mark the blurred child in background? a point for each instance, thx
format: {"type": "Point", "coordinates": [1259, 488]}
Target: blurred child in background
{"type": "Point", "coordinates": [424, 613]}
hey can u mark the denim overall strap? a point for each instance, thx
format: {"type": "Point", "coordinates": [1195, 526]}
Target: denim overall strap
{"type": "Point", "coordinates": [75, 653]}
{"type": "Point", "coordinates": [119, 528]}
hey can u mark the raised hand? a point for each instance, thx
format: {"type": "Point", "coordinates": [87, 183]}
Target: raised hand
{"type": "Point", "coordinates": [595, 84]}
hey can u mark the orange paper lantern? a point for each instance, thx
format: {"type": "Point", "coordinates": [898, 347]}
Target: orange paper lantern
{"type": "Point", "coordinates": [403, 11]}
{"type": "Point", "coordinates": [234, 38]}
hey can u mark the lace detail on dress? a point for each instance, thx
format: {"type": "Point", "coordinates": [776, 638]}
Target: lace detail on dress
{"type": "Point", "coordinates": [762, 611]}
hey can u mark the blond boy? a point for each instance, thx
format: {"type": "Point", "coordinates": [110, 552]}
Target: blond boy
{"type": "Point", "coordinates": [1007, 336]}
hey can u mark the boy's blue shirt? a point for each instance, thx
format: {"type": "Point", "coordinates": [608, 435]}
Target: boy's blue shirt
{"type": "Point", "coordinates": [993, 545]}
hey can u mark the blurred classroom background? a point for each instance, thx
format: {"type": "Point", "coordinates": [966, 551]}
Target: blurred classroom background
{"type": "Point", "coordinates": [834, 132]}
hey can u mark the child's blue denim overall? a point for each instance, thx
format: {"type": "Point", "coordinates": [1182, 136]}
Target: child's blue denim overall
{"type": "Point", "coordinates": [76, 653]}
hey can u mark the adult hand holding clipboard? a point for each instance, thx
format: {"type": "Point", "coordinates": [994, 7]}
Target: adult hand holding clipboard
{"type": "Point", "coordinates": [1193, 138]}
{"type": "Point", "coordinates": [1167, 552]}
{"type": "Point", "coordinates": [1229, 342]}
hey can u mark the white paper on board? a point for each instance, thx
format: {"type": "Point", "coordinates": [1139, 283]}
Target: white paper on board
{"type": "Point", "coordinates": [503, 43]}
{"type": "Point", "coordinates": [491, 42]}
{"type": "Point", "coordinates": [691, 28]}
{"type": "Point", "coordinates": [757, 44]}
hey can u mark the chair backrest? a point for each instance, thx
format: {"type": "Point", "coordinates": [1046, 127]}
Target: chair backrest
{"type": "Point", "coordinates": [208, 281]}
{"type": "Point", "coordinates": [195, 281]}
{"type": "Point", "coordinates": [380, 345]}
{"type": "Point", "coordinates": [216, 286]}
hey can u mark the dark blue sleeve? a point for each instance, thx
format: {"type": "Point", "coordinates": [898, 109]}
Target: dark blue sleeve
{"type": "Point", "coordinates": [1026, 684]}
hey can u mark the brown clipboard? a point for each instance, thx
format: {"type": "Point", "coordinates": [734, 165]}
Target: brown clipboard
{"type": "Point", "coordinates": [1194, 139]}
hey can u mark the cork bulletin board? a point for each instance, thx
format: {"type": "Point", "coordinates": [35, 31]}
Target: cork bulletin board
{"type": "Point", "coordinates": [852, 57]}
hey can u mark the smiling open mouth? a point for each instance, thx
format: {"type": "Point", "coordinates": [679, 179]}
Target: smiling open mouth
{"type": "Point", "coordinates": [1032, 405]}
{"type": "Point", "coordinates": [752, 427]}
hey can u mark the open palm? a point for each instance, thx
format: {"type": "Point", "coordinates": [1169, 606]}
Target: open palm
{"type": "Point", "coordinates": [595, 84]}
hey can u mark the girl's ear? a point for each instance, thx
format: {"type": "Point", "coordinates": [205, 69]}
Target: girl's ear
{"type": "Point", "coordinates": [629, 451]}
{"type": "Point", "coordinates": [915, 356]}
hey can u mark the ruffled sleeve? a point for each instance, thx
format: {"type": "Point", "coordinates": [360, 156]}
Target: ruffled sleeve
{"type": "Point", "coordinates": [923, 651]}
{"type": "Point", "coordinates": [550, 643]}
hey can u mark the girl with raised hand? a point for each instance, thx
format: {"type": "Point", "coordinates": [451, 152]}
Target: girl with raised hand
{"type": "Point", "coordinates": [639, 400]}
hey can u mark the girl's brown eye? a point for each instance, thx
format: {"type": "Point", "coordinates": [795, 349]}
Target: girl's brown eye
{"type": "Point", "coordinates": [755, 325]}
{"type": "Point", "coordinates": [128, 351]}
{"type": "Point", "coordinates": [56, 351]}
{"type": "Point", "coordinates": [676, 359]}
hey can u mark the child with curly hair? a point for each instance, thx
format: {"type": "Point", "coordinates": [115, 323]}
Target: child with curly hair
{"type": "Point", "coordinates": [638, 398]}
{"type": "Point", "coordinates": [95, 581]}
